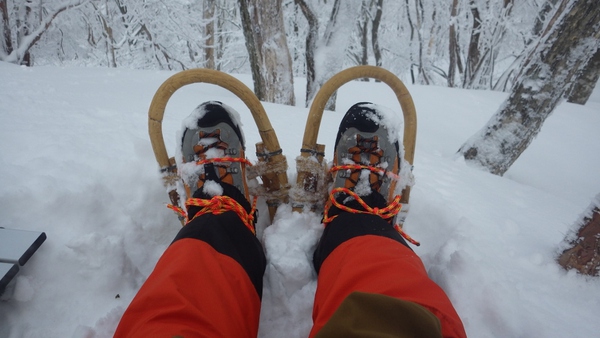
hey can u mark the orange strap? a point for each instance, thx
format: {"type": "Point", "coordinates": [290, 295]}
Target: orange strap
{"type": "Point", "coordinates": [224, 159]}
{"type": "Point", "coordinates": [216, 206]}
{"type": "Point", "coordinates": [219, 204]}
{"type": "Point", "coordinates": [386, 213]}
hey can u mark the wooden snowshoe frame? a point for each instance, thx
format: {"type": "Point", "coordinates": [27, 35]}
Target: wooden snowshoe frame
{"type": "Point", "coordinates": [275, 182]}
{"type": "Point", "coordinates": [310, 147]}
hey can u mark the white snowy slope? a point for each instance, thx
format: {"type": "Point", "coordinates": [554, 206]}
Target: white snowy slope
{"type": "Point", "coordinates": [76, 162]}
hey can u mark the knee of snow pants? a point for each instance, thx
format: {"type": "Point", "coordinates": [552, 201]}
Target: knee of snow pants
{"type": "Point", "coordinates": [359, 253]}
{"type": "Point", "coordinates": [208, 283]}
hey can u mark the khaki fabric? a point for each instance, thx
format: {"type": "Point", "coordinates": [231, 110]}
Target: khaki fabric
{"type": "Point", "coordinates": [379, 316]}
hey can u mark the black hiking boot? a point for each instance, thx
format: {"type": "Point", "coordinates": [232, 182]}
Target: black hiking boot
{"type": "Point", "coordinates": [213, 163]}
{"type": "Point", "coordinates": [363, 200]}
{"type": "Point", "coordinates": [366, 162]}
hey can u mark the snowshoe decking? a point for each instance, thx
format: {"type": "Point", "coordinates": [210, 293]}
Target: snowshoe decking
{"type": "Point", "coordinates": [271, 166]}
{"type": "Point", "coordinates": [313, 176]}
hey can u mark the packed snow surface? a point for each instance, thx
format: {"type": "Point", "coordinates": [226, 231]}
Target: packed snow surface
{"type": "Point", "coordinates": [76, 162]}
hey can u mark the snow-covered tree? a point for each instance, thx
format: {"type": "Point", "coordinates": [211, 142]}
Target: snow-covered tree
{"type": "Point", "coordinates": [549, 70]}
{"type": "Point", "coordinates": [22, 24]}
{"type": "Point", "coordinates": [325, 55]}
{"type": "Point", "coordinates": [427, 39]}
{"type": "Point", "coordinates": [270, 59]}
{"type": "Point", "coordinates": [369, 20]}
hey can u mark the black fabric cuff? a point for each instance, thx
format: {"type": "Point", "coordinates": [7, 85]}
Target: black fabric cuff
{"type": "Point", "coordinates": [347, 226]}
{"type": "Point", "coordinates": [228, 235]}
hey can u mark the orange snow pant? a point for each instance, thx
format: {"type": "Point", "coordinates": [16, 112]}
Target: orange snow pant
{"type": "Point", "coordinates": [370, 284]}
{"type": "Point", "coordinates": [208, 283]}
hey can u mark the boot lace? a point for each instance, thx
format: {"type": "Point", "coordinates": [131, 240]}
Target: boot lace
{"type": "Point", "coordinates": [365, 151]}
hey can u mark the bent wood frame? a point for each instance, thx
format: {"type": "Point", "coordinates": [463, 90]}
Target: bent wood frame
{"type": "Point", "coordinates": [313, 122]}
{"type": "Point", "coordinates": [271, 150]}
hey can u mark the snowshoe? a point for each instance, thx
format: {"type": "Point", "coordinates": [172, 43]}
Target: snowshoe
{"type": "Point", "coordinates": [374, 158]}
{"type": "Point", "coordinates": [217, 135]}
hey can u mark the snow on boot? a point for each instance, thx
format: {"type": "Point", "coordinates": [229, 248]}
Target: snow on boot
{"type": "Point", "coordinates": [364, 153]}
{"type": "Point", "coordinates": [212, 163]}
{"type": "Point", "coordinates": [366, 166]}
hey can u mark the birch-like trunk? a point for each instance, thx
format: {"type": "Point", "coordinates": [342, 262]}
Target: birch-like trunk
{"type": "Point", "coordinates": [550, 70]}
{"type": "Point", "coordinates": [270, 59]}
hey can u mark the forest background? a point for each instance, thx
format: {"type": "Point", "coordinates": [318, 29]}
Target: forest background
{"type": "Point", "coordinates": [459, 43]}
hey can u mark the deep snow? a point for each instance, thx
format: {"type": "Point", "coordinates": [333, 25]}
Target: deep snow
{"type": "Point", "coordinates": [76, 162]}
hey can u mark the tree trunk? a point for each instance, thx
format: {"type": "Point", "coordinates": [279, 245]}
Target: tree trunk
{"type": "Point", "coordinates": [209, 33]}
{"type": "Point", "coordinates": [375, 33]}
{"type": "Point", "coordinates": [512, 72]}
{"type": "Point", "coordinates": [420, 14]}
{"type": "Point", "coordinates": [310, 49]}
{"type": "Point", "coordinates": [6, 45]}
{"type": "Point", "coordinates": [583, 252]}
{"type": "Point", "coordinates": [331, 47]}
{"type": "Point", "coordinates": [586, 81]}
{"type": "Point", "coordinates": [553, 66]}
{"type": "Point", "coordinates": [412, 38]}
{"type": "Point", "coordinates": [27, 23]}
{"type": "Point", "coordinates": [453, 44]}
{"type": "Point", "coordinates": [473, 56]}
{"type": "Point", "coordinates": [363, 28]}
{"type": "Point", "coordinates": [268, 51]}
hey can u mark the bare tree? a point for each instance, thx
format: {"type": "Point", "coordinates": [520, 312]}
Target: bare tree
{"type": "Point", "coordinates": [330, 48]}
{"type": "Point", "coordinates": [15, 46]}
{"type": "Point", "coordinates": [312, 35]}
{"type": "Point", "coordinates": [375, 32]}
{"type": "Point", "coordinates": [417, 27]}
{"type": "Point", "coordinates": [540, 29]}
{"type": "Point", "coordinates": [486, 37]}
{"type": "Point", "coordinates": [583, 245]}
{"type": "Point", "coordinates": [453, 47]}
{"type": "Point", "coordinates": [362, 57]}
{"type": "Point", "coordinates": [474, 54]}
{"type": "Point", "coordinates": [268, 51]}
{"type": "Point", "coordinates": [104, 14]}
{"type": "Point", "coordinates": [370, 16]}
{"type": "Point", "coordinates": [209, 33]}
{"type": "Point", "coordinates": [549, 70]}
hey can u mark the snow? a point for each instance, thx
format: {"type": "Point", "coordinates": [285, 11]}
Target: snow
{"type": "Point", "coordinates": [76, 162]}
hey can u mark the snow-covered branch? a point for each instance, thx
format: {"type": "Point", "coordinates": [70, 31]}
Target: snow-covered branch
{"type": "Point", "coordinates": [24, 44]}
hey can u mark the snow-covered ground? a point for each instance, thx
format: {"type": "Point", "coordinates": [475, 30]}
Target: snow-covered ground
{"type": "Point", "coordinates": [76, 162]}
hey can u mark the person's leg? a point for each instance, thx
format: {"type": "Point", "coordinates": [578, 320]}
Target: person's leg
{"type": "Point", "coordinates": [370, 283]}
{"type": "Point", "coordinates": [208, 283]}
